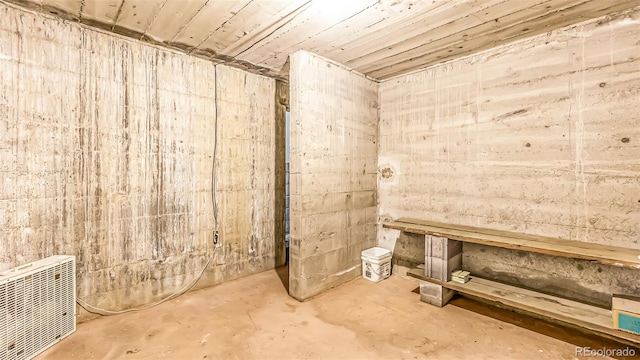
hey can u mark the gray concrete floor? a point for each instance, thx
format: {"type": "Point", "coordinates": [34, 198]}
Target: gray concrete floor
{"type": "Point", "coordinates": [254, 318]}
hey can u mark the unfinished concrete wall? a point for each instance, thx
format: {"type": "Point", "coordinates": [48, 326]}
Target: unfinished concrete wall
{"type": "Point", "coordinates": [541, 136]}
{"type": "Point", "coordinates": [334, 115]}
{"type": "Point", "coordinates": [106, 153]}
{"type": "Point", "coordinates": [245, 175]}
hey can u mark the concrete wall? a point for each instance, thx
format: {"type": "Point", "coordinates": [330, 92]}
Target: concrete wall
{"type": "Point", "coordinates": [541, 136]}
{"type": "Point", "coordinates": [106, 153]}
{"type": "Point", "coordinates": [334, 115]}
{"type": "Point", "coordinates": [245, 175]}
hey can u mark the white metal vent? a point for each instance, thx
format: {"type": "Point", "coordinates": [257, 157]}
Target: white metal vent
{"type": "Point", "coordinates": [37, 306]}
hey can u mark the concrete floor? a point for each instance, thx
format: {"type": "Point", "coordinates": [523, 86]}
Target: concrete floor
{"type": "Point", "coordinates": [254, 318]}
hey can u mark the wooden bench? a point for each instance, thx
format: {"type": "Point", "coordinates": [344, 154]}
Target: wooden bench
{"type": "Point", "coordinates": [610, 255]}
{"type": "Point", "coordinates": [568, 312]}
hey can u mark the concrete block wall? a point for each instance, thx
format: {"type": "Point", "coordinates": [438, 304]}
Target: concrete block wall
{"type": "Point", "coordinates": [540, 136]}
{"type": "Point", "coordinates": [334, 116]}
{"type": "Point", "coordinates": [434, 294]}
{"type": "Point", "coordinates": [442, 256]}
{"type": "Point", "coordinates": [106, 153]}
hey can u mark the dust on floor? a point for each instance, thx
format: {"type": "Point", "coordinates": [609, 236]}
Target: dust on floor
{"type": "Point", "coordinates": [254, 318]}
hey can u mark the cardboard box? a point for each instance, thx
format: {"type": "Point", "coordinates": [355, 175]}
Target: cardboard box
{"type": "Point", "coordinates": [626, 313]}
{"type": "Point", "coordinates": [627, 321]}
{"type": "Point", "coordinates": [627, 303]}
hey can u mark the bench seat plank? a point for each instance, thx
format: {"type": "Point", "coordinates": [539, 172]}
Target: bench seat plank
{"type": "Point", "coordinates": [566, 311]}
{"type": "Point", "coordinates": [610, 255]}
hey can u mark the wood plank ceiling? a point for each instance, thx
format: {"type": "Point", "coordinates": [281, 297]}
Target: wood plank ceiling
{"type": "Point", "coordinates": [380, 38]}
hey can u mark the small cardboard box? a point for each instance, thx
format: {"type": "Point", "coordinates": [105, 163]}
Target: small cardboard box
{"type": "Point", "coordinates": [626, 321]}
{"type": "Point", "coordinates": [626, 313]}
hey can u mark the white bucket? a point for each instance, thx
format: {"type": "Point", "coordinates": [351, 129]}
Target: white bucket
{"type": "Point", "coordinates": [376, 264]}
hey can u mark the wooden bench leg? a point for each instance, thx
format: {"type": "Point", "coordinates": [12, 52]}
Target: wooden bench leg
{"type": "Point", "coordinates": [435, 294]}
{"type": "Point", "coordinates": [441, 257]}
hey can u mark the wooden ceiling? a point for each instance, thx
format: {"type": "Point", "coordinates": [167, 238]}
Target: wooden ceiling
{"type": "Point", "coordinates": [380, 38]}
